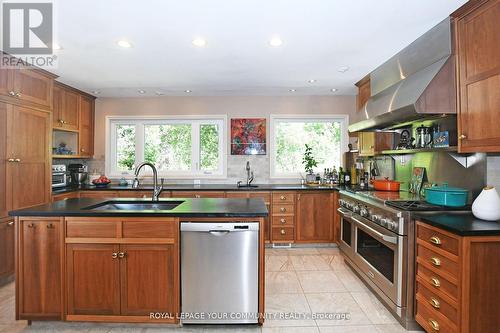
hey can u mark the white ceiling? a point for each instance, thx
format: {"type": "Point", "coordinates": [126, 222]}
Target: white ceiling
{"type": "Point", "coordinates": [319, 37]}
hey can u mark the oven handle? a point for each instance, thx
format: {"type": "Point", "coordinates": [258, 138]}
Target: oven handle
{"type": "Point", "coordinates": [344, 212]}
{"type": "Point", "coordinates": [389, 239]}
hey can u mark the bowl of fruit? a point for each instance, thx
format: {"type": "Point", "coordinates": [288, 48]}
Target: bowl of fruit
{"type": "Point", "coordinates": [102, 181]}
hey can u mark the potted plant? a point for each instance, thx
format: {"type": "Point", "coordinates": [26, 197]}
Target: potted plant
{"type": "Point", "coordinates": [309, 164]}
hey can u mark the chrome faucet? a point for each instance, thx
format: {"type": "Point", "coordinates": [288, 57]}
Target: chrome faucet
{"type": "Point", "coordinates": [156, 189]}
{"type": "Point", "coordinates": [249, 174]}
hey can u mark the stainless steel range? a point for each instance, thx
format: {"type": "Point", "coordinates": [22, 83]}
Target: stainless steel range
{"type": "Point", "coordinates": [377, 238]}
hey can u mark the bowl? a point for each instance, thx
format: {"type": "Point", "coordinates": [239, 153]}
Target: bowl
{"type": "Point", "coordinates": [101, 185]}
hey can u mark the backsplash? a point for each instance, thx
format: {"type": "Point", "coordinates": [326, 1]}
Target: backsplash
{"type": "Point", "coordinates": [493, 171]}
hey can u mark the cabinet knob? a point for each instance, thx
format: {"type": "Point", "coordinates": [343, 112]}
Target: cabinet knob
{"type": "Point", "coordinates": [197, 196]}
{"type": "Point", "coordinates": [282, 209]}
{"type": "Point", "coordinates": [121, 255]}
{"type": "Point", "coordinates": [434, 324]}
{"type": "Point", "coordinates": [435, 261]}
{"type": "Point", "coordinates": [82, 150]}
{"type": "Point", "coordinates": [282, 197]}
{"type": "Point", "coordinates": [435, 282]}
{"type": "Point", "coordinates": [435, 240]}
{"type": "Point", "coordinates": [282, 231]}
{"type": "Point", "coordinates": [18, 94]}
{"type": "Point", "coordinates": [31, 225]}
{"type": "Point", "coordinates": [462, 137]}
{"type": "Point", "coordinates": [50, 226]}
{"type": "Point", "coordinates": [10, 224]}
{"type": "Point", "coordinates": [283, 221]}
{"type": "Point", "coordinates": [114, 255]}
{"type": "Point", "coordinates": [434, 302]}
{"type": "Point", "coordinates": [10, 160]}
{"type": "Point", "coordinates": [17, 160]}
{"type": "Point", "coordinates": [12, 93]}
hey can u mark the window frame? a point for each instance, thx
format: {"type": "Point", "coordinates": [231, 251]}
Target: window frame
{"type": "Point", "coordinates": [140, 121]}
{"type": "Point", "coordinates": [343, 119]}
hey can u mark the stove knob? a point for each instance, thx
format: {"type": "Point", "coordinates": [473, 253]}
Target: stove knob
{"type": "Point", "coordinates": [376, 218]}
{"type": "Point", "coordinates": [392, 225]}
{"type": "Point", "coordinates": [384, 222]}
{"type": "Point", "coordinates": [356, 209]}
{"type": "Point", "coordinates": [364, 212]}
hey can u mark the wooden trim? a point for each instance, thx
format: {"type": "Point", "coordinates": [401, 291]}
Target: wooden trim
{"type": "Point", "coordinates": [65, 86]}
{"type": "Point", "coordinates": [75, 240]}
{"type": "Point", "coordinates": [120, 319]}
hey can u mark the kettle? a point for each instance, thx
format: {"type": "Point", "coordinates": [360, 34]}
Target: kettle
{"type": "Point", "coordinates": [423, 137]}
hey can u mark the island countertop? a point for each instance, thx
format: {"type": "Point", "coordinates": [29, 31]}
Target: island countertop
{"type": "Point", "coordinates": [190, 207]}
{"type": "Point", "coordinates": [462, 224]}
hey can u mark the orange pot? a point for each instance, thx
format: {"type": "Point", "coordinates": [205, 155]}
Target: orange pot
{"type": "Point", "coordinates": [386, 185]}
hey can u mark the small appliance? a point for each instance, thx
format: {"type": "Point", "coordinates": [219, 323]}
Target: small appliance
{"type": "Point", "coordinates": [59, 178]}
{"type": "Point", "coordinates": [78, 173]}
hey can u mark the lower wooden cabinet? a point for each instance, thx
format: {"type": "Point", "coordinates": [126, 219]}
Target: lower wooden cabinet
{"type": "Point", "coordinates": [38, 280]}
{"type": "Point", "coordinates": [314, 218]}
{"type": "Point", "coordinates": [266, 196]}
{"type": "Point", "coordinates": [6, 250]}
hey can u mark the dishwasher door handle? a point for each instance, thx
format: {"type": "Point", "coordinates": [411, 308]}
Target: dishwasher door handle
{"type": "Point", "coordinates": [219, 232]}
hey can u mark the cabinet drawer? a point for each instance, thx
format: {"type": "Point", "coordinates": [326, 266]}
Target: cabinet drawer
{"type": "Point", "coordinates": [433, 321]}
{"type": "Point", "coordinates": [437, 282]}
{"type": "Point", "coordinates": [164, 228]}
{"type": "Point", "coordinates": [135, 194]}
{"type": "Point", "coordinates": [98, 194]}
{"type": "Point", "coordinates": [266, 196]}
{"type": "Point", "coordinates": [285, 197]}
{"type": "Point", "coordinates": [285, 221]}
{"type": "Point", "coordinates": [90, 229]}
{"type": "Point", "coordinates": [438, 262]}
{"type": "Point", "coordinates": [438, 303]}
{"type": "Point", "coordinates": [283, 209]}
{"type": "Point", "coordinates": [197, 194]}
{"type": "Point", "coordinates": [283, 234]}
{"type": "Point", "coordinates": [437, 239]}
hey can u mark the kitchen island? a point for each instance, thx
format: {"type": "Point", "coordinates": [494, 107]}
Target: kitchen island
{"type": "Point", "coordinates": [114, 260]}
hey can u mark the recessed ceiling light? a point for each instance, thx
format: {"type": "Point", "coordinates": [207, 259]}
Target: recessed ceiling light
{"type": "Point", "coordinates": [140, 91]}
{"type": "Point", "coordinates": [343, 69]}
{"type": "Point", "coordinates": [311, 80]}
{"type": "Point", "coordinates": [333, 90]}
{"type": "Point", "coordinates": [199, 42]}
{"type": "Point", "coordinates": [187, 91]}
{"type": "Point", "coordinates": [292, 90]}
{"type": "Point", "coordinates": [275, 42]}
{"type": "Point", "coordinates": [124, 43]}
{"type": "Point", "coordinates": [96, 92]}
{"type": "Point", "coordinates": [56, 46]}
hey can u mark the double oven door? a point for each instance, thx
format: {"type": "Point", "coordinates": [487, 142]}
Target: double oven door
{"type": "Point", "coordinates": [377, 253]}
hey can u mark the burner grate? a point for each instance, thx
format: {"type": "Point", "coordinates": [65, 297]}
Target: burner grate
{"type": "Point", "coordinates": [414, 205]}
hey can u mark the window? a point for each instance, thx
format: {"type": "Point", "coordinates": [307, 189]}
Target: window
{"type": "Point", "coordinates": [184, 148]}
{"type": "Point", "coordinates": [289, 134]}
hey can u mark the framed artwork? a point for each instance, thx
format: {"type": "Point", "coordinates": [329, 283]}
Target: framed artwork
{"type": "Point", "coordinates": [248, 136]}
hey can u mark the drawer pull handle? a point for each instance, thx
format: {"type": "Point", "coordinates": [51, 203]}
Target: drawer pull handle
{"type": "Point", "coordinates": [434, 302]}
{"type": "Point", "coordinates": [282, 231]}
{"type": "Point", "coordinates": [435, 261]}
{"type": "Point", "coordinates": [282, 197]}
{"type": "Point", "coordinates": [435, 240]}
{"type": "Point", "coordinates": [114, 255]}
{"type": "Point", "coordinates": [283, 221]}
{"type": "Point", "coordinates": [434, 324]}
{"type": "Point", "coordinates": [282, 209]}
{"type": "Point", "coordinates": [435, 282]}
{"type": "Point", "coordinates": [31, 225]}
{"type": "Point", "coordinates": [10, 224]}
{"type": "Point", "coordinates": [197, 196]}
{"type": "Point", "coordinates": [50, 226]}
{"type": "Point", "coordinates": [121, 255]}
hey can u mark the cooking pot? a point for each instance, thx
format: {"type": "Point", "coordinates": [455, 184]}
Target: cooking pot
{"type": "Point", "coordinates": [386, 185]}
{"type": "Point", "coordinates": [446, 196]}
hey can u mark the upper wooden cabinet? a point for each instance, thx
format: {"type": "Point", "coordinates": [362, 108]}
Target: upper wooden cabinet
{"type": "Point", "coordinates": [66, 114]}
{"type": "Point", "coordinates": [314, 218]}
{"type": "Point", "coordinates": [86, 126]}
{"type": "Point", "coordinates": [371, 143]}
{"type": "Point", "coordinates": [364, 92]}
{"type": "Point", "coordinates": [477, 39]}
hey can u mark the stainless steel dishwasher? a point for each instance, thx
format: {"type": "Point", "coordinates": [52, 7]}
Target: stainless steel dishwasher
{"type": "Point", "coordinates": [219, 272]}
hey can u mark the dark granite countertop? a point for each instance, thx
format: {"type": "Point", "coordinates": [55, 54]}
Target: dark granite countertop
{"type": "Point", "coordinates": [207, 207]}
{"type": "Point", "coordinates": [204, 187]}
{"type": "Point", "coordinates": [461, 223]}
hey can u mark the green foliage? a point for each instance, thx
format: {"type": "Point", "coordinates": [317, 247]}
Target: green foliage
{"type": "Point", "coordinates": [308, 160]}
{"type": "Point", "coordinates": [125, 146]}
{"type": "Point", "coordinates": [209, 147]}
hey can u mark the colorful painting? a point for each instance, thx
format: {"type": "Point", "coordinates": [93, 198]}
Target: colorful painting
{"type": "Point", "coordinates": [248, 136]}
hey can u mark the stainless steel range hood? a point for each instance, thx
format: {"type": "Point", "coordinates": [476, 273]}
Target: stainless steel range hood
{"type": "Point", "coordinates": [416, 83]}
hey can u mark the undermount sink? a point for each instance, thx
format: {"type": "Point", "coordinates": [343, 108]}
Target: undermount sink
{"type": "Point", "coordinates": [136, 205]}
{"type": "Point", "coordinates": [247, 186]}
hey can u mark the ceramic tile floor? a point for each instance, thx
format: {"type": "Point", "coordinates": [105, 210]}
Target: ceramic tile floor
{"type": "Point", "coordinates": [298, 280]}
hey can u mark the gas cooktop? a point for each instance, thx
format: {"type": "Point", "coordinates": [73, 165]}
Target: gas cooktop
{"type": "Point", "coordinates": [421, 205]}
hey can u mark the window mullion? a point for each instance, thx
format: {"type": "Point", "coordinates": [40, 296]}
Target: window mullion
{"type": "Point", "coordinates": [195, 147]}
{"type": "Point", "coordinates": [139, 143]}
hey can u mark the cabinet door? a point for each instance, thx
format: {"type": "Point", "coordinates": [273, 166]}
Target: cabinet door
{"type": "Point", "coordinates": [86, 133]}
{"type": "Point", "coordinates": [478, 50]}
{"type": "Point", "coordinates": [314, 217]}
{"type": "Point", "coordinates": [266, 196]}
{"type": "Point", "coordinates": [93, 279]}
{"type": "Point", "coordinates": [99, 194]}
{"type": "Point", "coordinates": [5, 198]}
{"type": "Point", "coordinates": [149, 280]}
{"type": "Point", "coordinates": [6, 248]}
{"type": "Point", "coordinates": [198, 194]}
{"type": "Point", "coordinates": [366, 144]}
{"type": "Point", "coordinates": [5, 81]}
{"type": "Point", "coordinates": [31, 86]}
{"type": "Point", "coordinates": [39, 269]}
{"type": "Point", "coordinates": [57, 106]}
{"type": "Point", "coordinates": [29, 138]}
{"type": "Point", "coordinates": [70, 110]}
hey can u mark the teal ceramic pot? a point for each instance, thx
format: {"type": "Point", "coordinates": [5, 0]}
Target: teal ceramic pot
{"type": "Point", "coordinates": [446, 196]}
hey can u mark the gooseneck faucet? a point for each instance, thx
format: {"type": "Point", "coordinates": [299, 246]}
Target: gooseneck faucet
{"type": "Point", "coordinates": [156, 189]}
{"type": "Point", "coordinates": [249, 174]}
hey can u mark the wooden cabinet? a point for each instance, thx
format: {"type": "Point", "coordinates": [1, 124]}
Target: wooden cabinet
{"type": "Point", "coordinates": [371, 143]}
{"type": "Point", "coordinates": [477, 39]}
{"type": "Point", "coordinates": [266, 196]}
{"type": "Point", "coordinates": [456, 281]}
{"type": "Point", "coordinates": [66, 113]}
{"type": "Point", "coordinates": [86, 127]}
{"type": "Point", "coordinates": [283, 217]}
{"type": "Point", "coordinates": [364, 92]}
{"type": "Point", "coordinates": [314, 218]}
{"type": "Point", "coordinates": [198, 194]}
{"type": "Point", "coordinates": [39, 262]}
{"type": "Point", "coordinates": [99, 194]}
{"type": "Point", "coordinates": [64, 196]}
{"type": "Point", "coordinates": [5, 80]}
{"type": "Point", "coordinates": [6, 249]}
{"type": "Point", "coordinates": [24, 162]}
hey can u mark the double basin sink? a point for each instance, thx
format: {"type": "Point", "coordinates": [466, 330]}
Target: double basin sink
{"type": "Point", "coordinates": [135, 205]}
